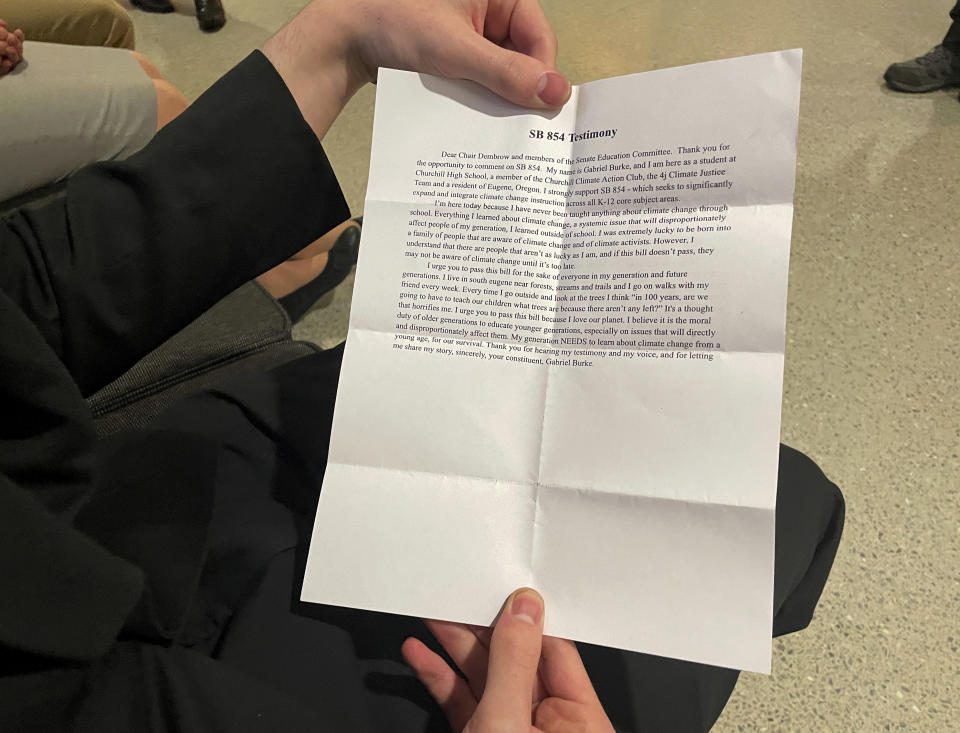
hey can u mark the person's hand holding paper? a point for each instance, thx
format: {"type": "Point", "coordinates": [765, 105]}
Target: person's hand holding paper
{"type": "Point", "coordinates": [514, 676]}
{"type": "Point", "coordinates": [505, 45]}
{"type": "Point", "coordinates": [332, 49]}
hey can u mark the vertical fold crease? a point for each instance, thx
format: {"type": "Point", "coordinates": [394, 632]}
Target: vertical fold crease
{"type": "Point", "coordinates": [546, 383]}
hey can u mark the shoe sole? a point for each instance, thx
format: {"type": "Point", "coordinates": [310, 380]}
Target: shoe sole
{"type": "Point", "coordinates": [211, 27]}
{"type": "Point", "coordinates": [158, 10]}
{"type": "Point", "coordinates": [919, 89]}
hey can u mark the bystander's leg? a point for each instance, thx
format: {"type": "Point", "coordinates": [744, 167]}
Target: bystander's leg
{"type": "Point", "coordinates": [76, 22]}
{"type": "Point", "coordinates": [952, 39]}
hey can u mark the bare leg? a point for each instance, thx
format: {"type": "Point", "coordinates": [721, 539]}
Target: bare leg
{"type": "Point", "coordinates": [303, 266]}
{"type": "Point", "coordinates": [170, 100]}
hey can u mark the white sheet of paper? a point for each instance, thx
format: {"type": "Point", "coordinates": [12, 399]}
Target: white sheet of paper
{"type": "Point", "coordinates": [513, 411]}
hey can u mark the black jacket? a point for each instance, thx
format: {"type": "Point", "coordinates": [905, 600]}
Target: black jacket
{"type": "Point", "coordinates": [90, 283]}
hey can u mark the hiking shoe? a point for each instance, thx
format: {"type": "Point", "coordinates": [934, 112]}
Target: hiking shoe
{"type": "Point", "coordinates": [935, 70]}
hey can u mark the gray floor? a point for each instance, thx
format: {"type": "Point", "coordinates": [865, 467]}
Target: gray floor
{"type": "Point", "coordinates": [872, 340]}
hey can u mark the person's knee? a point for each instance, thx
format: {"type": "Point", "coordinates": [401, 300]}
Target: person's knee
{"type": "Point", "coordinates": [802, 480]}
{"type": "Point", "coordinates": [73, 22]}
{"type": "Point", "coordinates": [109, 24]}
{"type": "Point", "coordinates": [810, 507]}
{"type": "Point", "coordinates": [147, 65]}
{"type": "Point", "coordinates": [170, 101]}
{"type": "Point", "coordinates": [809, 524]}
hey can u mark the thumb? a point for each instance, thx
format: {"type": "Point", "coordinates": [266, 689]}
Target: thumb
{"type": "Point", "coordinates": [515, 76]}
{"type": "Point", "coordinates": [513, 660]}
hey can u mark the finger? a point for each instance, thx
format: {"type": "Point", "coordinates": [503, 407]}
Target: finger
{"type": "Point", "coordinates": [483, 634]}
{"type": "Point", "coordinates": [514, 655]}
{"type": "Point", "coordinates": [531, 33]}
{"type": "Point", "coordinates": [522, 26]}
{"type": "Point", "coordinates": [444, 686]}
{"type": "Point", "coordinates": [466, 651]}
{"type": "Point", "coordinates": [515, 76]}
{"type": "Point", "coordinates": [557, 714]}
{"type": "Point", "coordinates": [540, 691]}
{"type": "Point", "coordinates": [563, 673]}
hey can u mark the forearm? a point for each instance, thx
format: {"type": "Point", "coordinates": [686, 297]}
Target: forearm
{"type": "Point", "coordinates": [142, 247]}
{"type": "Point", "coordinates": [316, 58]}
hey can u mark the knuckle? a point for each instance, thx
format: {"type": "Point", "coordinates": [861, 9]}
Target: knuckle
{"type": "Point", "coordinates": [552, 43]}
{"type": "Point", "coordinates": [555, 713]}
{"type": "Point", "coordinates": [512, 76]}
{"type": "Point", "coordinates": [548, 713]}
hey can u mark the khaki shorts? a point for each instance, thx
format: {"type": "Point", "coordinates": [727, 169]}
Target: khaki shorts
{"type": "Point", "coordinates": [80, 22]}
{"type": "Point", "coordinates": [64, 107]}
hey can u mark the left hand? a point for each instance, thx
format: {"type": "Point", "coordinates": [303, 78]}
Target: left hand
{"type": "Point", "coordinates": [517, 679]}
{"type": "Point", "coordinates": [11, 47]}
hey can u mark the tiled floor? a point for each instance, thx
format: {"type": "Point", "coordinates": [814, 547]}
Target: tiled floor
{"type": "Point", "coordinates": [872, 340]}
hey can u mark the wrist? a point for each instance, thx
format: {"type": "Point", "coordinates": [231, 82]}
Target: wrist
{"type": "Point", "coordinates": [315, 56]}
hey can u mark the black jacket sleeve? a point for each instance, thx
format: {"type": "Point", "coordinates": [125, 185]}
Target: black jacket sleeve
{"type": "Point", "coordinates": [139, 248]}
{"type": "Point", "coordinates": [91, 282]}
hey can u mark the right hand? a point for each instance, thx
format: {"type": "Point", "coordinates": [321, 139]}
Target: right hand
{"type": "Point", "coordinates": [332, 48]}
{"type": "Point", "coordinates": [11, 47]}
{"type": "Point", "coordinates": [517, 679]}
{"type": "Point", "coordinates": [505, 45]}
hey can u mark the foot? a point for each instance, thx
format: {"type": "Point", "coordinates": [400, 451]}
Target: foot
{"type": "Point", "coordinates": [154, 6]}
{"type": "Point", "coordinates": [210, 15]}
{"type": "Point", "coordinates": [937, 69]}
{"type": "Point", "coordinates": [303, 279]}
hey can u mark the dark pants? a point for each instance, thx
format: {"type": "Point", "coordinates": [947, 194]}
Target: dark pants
{"type": "Point", "coordinates": [251, 656]}
{"type": "Point", "coordinates": [952, 39]}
